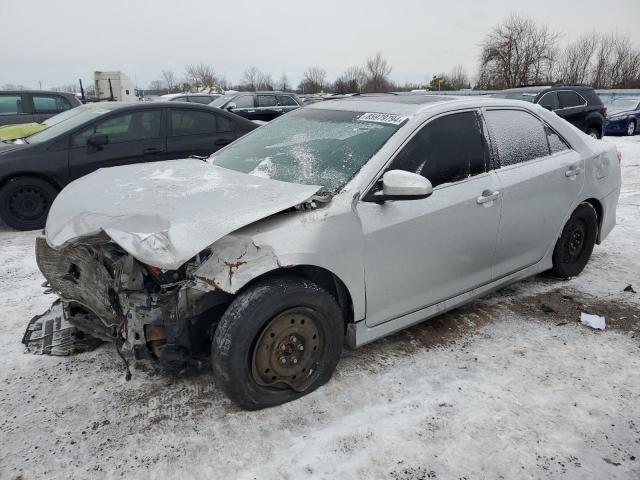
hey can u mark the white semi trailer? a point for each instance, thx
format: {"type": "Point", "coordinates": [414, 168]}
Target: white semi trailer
{"type": "Point", "coordinates": [114, 86]}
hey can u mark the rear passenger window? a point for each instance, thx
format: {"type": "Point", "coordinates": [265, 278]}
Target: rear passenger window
{"type": "Point", "coordinates": [550, 101]}
{"type": "Point", "coordinates": [192, 122]}
{"type": "Point", "coordinates": [448, 149]}
{"type": "Point", "coordinates": [517, 136]}
{"type": "Point", "coordinates": [569, 99]}
{"type": "Point", "coordinates": [266, 100]}
{"type": "Point", "coordinates": [50, 103]}
{"type": "Point", "coordinates": [556, 142]}
{"type": "Point", "coordinates": [10, 104]}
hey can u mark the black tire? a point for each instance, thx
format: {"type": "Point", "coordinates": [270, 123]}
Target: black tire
{"type": "Point", "coordinates": [593, 132]}
{"type": "Point", "coordinates": [574, 247]}
{"type": "Point", "coordinates": [243, 329]}
{"type": "Point", "coordinates": [631, 131]}
{"type": "Point", "coordinates": [25, 202]}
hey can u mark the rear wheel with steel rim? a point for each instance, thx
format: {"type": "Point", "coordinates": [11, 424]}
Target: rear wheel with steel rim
{"type": "Point", "coordinates": [575, 245]}
{"type": "Point", "coordinates": [25, 202]}
{"type": "Point", "coordinates": [279, 339]}
{"type": "Point", "coordinates": [631, 128]}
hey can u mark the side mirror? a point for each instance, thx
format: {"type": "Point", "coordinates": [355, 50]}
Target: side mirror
{"type": "Point", "coordinates": [98, 139]}
{"type": "Point", "coordinates": [401, 185]}
{"type": "Point", "coordinates": [230, 107]}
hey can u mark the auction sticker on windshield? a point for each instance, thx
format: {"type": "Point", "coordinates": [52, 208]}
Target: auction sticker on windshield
{"type": "Point", "coordinates": [388, 118]}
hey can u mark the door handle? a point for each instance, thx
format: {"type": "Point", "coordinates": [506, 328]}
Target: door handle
{"type": "Point", "coordinates": [572, 172]}
{"type": "Point", "coordinates": [251, 111]}
{"type": "Point", "coordinates": [223, 141]}
{"type": "Point", "coordinates": [487, 196]}
{"type": "Point", "coordinates": [151, 151]}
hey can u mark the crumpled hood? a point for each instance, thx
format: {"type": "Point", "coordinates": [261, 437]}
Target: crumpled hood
{"type": "Point", "coordinates": [164, 213]}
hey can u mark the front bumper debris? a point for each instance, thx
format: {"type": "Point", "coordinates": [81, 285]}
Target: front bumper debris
{"type": "Point", "coordinates": [51, 334]}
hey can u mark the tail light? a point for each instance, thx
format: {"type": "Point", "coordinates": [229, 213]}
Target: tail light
{"type": "Point", "coordinates": [619, 155]}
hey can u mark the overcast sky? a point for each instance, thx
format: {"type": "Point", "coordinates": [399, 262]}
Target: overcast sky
{"type": "Point", "coordinates": [57, 42]}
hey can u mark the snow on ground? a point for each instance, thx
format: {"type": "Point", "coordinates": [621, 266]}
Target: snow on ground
{"type": "Point", "coordinates": [510, 386]}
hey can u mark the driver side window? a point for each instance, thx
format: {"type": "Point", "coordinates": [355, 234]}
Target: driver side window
{"type": "Point", "coordinates": [446, 150]}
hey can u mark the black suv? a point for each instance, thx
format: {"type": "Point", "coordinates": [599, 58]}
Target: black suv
{"type": "Point", "coordinates": [262, 106]}
{"type": "Point", "coordinates": [577, 104]}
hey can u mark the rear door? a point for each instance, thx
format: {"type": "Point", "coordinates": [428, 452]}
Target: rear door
{"type": "Point", "coordinates": [540, 180]}
{"type": "Point", "coordinates": [572, 108]}
{"type": "Point", "coordinates": [287, 103]}
{"type": "Point", "coordinates": [197, 132]}
{"type": "Point", "coordinates": [47, 105]}
{"type": "Point", "coordinates": [14, 108]}
{"type": "Point", "coordinates": [133, 137]}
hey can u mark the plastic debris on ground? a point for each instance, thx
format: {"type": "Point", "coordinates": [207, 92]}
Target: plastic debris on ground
{"type": "Point", "coordinates": [593, 321]}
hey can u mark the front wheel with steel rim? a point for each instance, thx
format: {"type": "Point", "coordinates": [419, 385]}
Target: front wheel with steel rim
{"type": "Point", "coordinates": [25, 202]}
{"type": "Point", "coordinates": [574, 247]}
{"type": "Point", "coordinates": [279, 339]}
{"type": "Point", "coordinates": [631, 128]}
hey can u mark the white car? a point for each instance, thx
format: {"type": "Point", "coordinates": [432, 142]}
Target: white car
{"type": "Point", "coordinates": [340, 222]}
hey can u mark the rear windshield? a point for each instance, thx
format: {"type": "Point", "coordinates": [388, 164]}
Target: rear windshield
{"type": "Point", "coordinates": [310, 147]}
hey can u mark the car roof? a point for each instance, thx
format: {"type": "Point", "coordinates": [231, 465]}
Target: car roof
{"type": "Point", "coordinates": [409, 105]}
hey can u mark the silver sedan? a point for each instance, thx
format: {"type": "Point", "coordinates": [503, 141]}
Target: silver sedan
{"type": "Point", "coordinates": [341, 222]}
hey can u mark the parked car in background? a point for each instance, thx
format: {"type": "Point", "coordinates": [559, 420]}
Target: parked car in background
{"type": "Point", "coordinates": [577, 104]}
{"type": "Point", "coordinates": [35, 169]}
{"type": "Point", "coordinates": [263, 106]}
{"type": "Point", "coordinates": [623, 116]}
{"type": "Point", "coordinates": [203, 98]}
{"type": "Point", "coordinates": [28, 106]}
{"type": "Point", "coordinates": [21, 130]}
{"type": "Point", "coordinates": [342, 221]}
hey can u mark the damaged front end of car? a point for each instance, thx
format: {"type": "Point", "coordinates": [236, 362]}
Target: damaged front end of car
{"type": "Point", "coordinates": [109, 295]}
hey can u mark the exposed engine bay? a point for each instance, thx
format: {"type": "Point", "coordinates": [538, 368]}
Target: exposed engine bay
{"type": "Point", "coordinates": [110, 296]}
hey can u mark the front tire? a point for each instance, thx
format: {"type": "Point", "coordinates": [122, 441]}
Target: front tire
{"type": "Point", "coordinates": [574, 247]}
{"type": "Point", "coordinates": [279, 340]}
{"type": "Point", "coordinates": [25, 202]}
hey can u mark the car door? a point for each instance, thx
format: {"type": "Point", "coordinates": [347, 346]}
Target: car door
{"type": "Point", "coordinates": [132, 137]}
{"type": "Point", "coordinates": [14, 109]}
{"type": "Point", "coordinates": [245, 106]}
{"type": "Point", "coordinates": [540, 180]}
{"type": "Point", "coordinates": [287, 103]}
{"type": "Point", "coordinates": [197, 132]}
{"type": "Point", "coordinates": [423, 251]}
{"type": "Point", "coordinates": [47, 105]}
{"type": "Point", "coordinates": [268, 108]}
{"type": "Point", "coordinates": [572, 107]}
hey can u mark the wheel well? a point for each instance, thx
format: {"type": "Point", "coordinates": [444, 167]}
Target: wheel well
{"type": "Point", "coordinates": [39, 176]}
{"type": "Point", "coordinates": [596, 126]}
{"type": "Point", "coordinates": [595, 203]}
{"type": "Point", "coordinates": [322, 277]}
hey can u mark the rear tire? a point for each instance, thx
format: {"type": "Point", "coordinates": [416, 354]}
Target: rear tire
{"type": "Point", "coordinates": [593, 132]}
{"type": "Point", "coordinates": [279, 340]}
{"type": "Point", "coordinates": [25, 202]}
{"type": "Point", "coordinates": [574, 247]}
{"type": "Point", "coordinates": [631, 128]}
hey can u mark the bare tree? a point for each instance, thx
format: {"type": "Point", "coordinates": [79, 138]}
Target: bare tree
{"type": "Point", "coordinates": [69, 88]}
{"type": "Point", "coordinates": [377, 71]}
{"type": "Point", "coordinates": [351, 81]}
{"type": "Point", "coordinates": [169, 80]}
{"type": "Point", "coordinates": [283, 83]}
{"type": "Point", "coordinates": [12, 86]}
{"type": "Point", "coordinates": [574, 64]}
{"type": "Point", "coordinates": [313, 80]}
{"type": "Point", "coordinates": [201, 76]}
{"type": "Point", "coordinates": [457, 78]}
{"type": "Point", "coordinates": [250, 78]}
{"type": "Point", "coordinates": [518, 52]}
{"type": "Point", "coordinates": [157, 86]}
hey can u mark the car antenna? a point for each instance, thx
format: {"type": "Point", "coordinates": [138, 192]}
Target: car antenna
{"type": "Point", "coordinates": [84, 100]}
